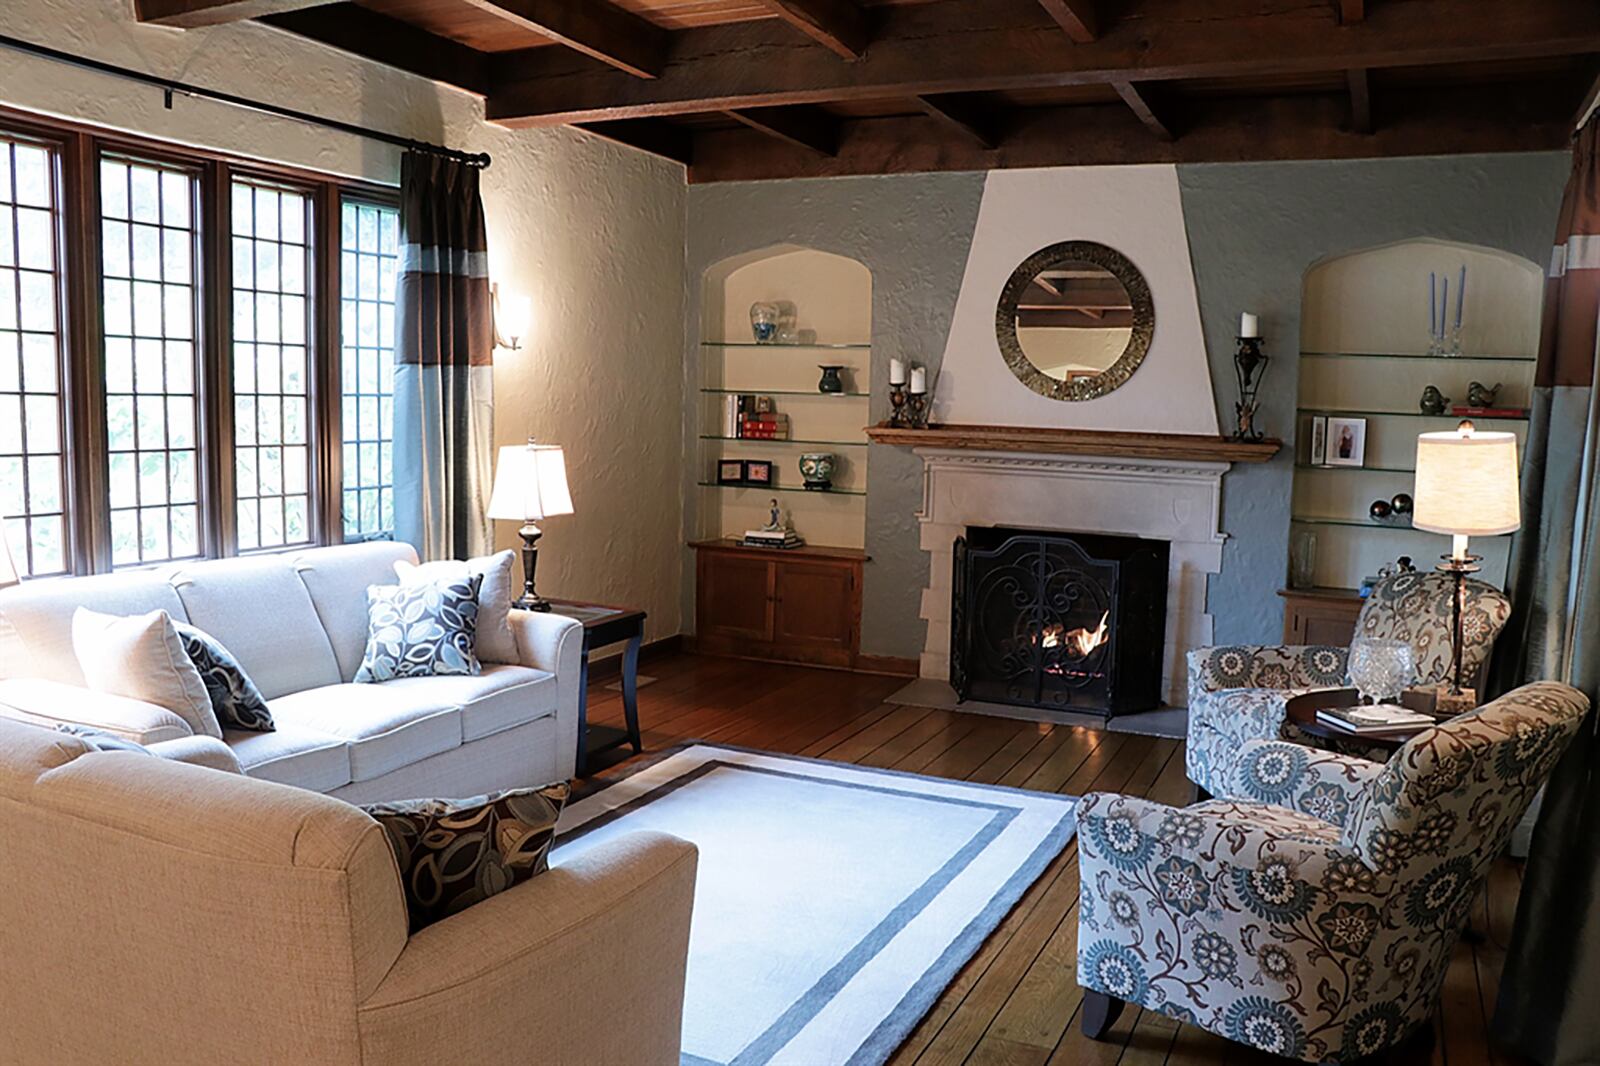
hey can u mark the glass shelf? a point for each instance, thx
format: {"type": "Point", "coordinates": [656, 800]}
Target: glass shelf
{"type": "Point", "coordinates": [785, 440]}
{"type": "Point", "coordinates": [784, 392]}
{"type": "Point", "coordinates": [1358, 523]}
{"type": "Point", "coordinates": [854, 347]}
{"type": "Point", "coordinates": [1426, 358]}
{"type": "Point", "coordinates": [1407, 414]}
{"type": "Point", "coordinates": [1358, 469]}
{"type": "Point", "coordinates": [785, 488]}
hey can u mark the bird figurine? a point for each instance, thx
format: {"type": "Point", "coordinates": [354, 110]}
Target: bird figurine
{"type": "Point", "coordinates": [1433, 401]}
{"type": "Point", "coordinates": [1481, 395]}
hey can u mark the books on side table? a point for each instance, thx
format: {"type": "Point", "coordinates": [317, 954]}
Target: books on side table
{"type": "Point", "coordinates": [772, 538]}
{"type": "Point", "coordinates": [1375, 718]}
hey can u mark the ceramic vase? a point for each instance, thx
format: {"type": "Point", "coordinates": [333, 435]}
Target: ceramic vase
{"type": "Point", "coordinates": [817, 468]}
{"type": "Point", "coordinates": [831, 381]}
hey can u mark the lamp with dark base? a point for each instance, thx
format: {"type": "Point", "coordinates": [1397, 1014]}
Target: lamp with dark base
{"type": "Point", "coordinates": [1466, 487]}
{"type": "Point", "coordinates": [530, 484]}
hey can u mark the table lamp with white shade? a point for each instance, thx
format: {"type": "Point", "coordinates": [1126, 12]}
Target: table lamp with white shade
{"type": "Point", "coordinates": [8, 569]}
{"type": "Point", "coordinates": [1467, 487]}
{"type": "Point", "coordinates": [530, 484]}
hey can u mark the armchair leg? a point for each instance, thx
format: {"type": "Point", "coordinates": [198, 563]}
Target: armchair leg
{"type": "Point", "coordinates": [1099, 1013]}
{"type": "Point", "coordinates": [1199, 795]}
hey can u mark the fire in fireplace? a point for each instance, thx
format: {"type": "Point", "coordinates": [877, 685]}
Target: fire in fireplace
{"type": "Point", "coordinates": [1059, 621]}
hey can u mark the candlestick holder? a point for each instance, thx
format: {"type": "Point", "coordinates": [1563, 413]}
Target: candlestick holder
{"type": "Point", "coordinates": [897, 404]}
{"type": "Point", "coordinates": [1249, 366]}
{"type": "Point", "coordinates": [918, 402]}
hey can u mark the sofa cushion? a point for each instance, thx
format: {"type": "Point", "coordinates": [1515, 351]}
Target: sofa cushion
{"type": "Point", "coordinates": [292, 755]}
{"type": "Point", "coordinates": [36, 618]}
{"type": "Point", "coordinates": [47, 703]}
{"type": "Point", "coordinates": [386, 727]}
{"type": "Point", "coordinates": [261, 612]}
{"type": "Point", "coordinates": [142, 658]}
{"type": "Point", "coordinates": [454, 853]}
{"type": "Point", "coordinates": [235, 700]}
{"type": "Point", "coordinates": [494, 641]}
{"type": "Point", "coordinates": [425, 630]}
{"type": "Point", "coordinates": [495, 700]}
{"type": "Point", "coordinates": [337, 579]}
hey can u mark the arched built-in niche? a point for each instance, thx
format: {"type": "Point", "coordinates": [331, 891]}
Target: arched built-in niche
{"type": "Point", "coordinates": [827, 300]}
{"type": "Point", "coordinates": [1364, 354]}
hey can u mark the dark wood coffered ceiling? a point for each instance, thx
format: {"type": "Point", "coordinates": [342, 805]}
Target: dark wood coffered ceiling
{"type": "Point", "coordinates": [741, 89]}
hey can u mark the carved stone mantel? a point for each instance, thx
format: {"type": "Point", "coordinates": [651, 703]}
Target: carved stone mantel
{"type": "Point", "coordinates": [1175, 500]}
{"type": "Point", "coordinates": [1041, 440]}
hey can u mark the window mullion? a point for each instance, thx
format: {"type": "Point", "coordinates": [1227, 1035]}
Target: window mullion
{"type": "Point", "coordinates": [327, 368]}
{"type": "Point", "coordinates": [221, 524]}
{"type": "Point", "coordinates": [89, 520]}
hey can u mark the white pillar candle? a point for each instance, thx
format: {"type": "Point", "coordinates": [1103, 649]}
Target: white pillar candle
{"type": "Point", "coordinates": [1249, 325]}
{"type": "Point", "coordinates": [919, 380]}
{"type": "Point", "coordinates": [897, 372]}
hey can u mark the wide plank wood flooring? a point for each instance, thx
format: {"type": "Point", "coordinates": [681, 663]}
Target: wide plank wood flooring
{"type": "Point", "coordinates": [1016, 1002]}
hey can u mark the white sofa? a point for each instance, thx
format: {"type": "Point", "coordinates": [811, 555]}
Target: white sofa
{"type": "Point", "coordinates": [297, 623]}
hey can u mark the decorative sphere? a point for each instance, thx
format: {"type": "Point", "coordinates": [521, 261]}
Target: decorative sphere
{"type": "Point", "coordinates": [1380, 509]}
{"type": "Point", "coordinates": [1401, 503]}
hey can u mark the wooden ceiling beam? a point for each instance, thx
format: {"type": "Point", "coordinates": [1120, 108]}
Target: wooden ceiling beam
{"type": "Point", "coordinates": [652, 135]}
{"type": "Point", "coordinates": [1077, 17]}
{"type": "Point", "coordinates": [805, 127]}
{"type": "Point", "coordinates": [596, 28]}
{"type": "Point", "coordinates": [1360, 86]}
{"type": "Point", "coordinates": [1533, 117]}
{"type": "Point", "coordinates": [840, 26]}
{"type": "Point", "coordinates": [188, 14]}
{"type": "Point", "coordinates": [1138, 101]}
{"type": "Point", "coordinates": [382, 39]}
{"type": "Point", "coordinates": [1352, 11]}
{"type": "Point", "coordinates": [928, 49]}
{"type": "Point", "coordinates": [965, 114]}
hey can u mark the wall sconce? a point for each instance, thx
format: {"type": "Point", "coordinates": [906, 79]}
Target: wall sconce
{"type": "Point", "coordinates": [513, 316]}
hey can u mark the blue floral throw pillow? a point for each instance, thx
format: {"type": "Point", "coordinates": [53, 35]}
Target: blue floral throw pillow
{"type": "Point", "coordinates": [235, 700]}
{"type": "Point", "coordinates": [424, 630]}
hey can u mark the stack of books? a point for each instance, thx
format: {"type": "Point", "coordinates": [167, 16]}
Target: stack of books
{"type": "Point", "coordinates": [1377, 718]}
{"type": "Point", "coordinates": [747, 416]}
{"type": "Point", "coordinates": [1468, 411]}
{"type": "Point", "coordinates": [772, 538]}
{"type": "Point", "coordinates": [766, 426]}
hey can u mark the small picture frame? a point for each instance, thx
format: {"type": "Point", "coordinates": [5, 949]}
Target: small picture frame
{"type": "Point", "coordinates": [763, 405]}
{"type": "Point", "coordinates": [757, 472]}
{"type": "Point", "coordinates": [1319, 440]}
{"type": "Point", "coordinates": [730, 471]}
{"type": "Point", "coordinates": [1346, 441]}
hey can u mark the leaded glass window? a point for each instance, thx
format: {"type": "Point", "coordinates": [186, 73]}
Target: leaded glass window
{"type": "Point", "coordinates": [369, 266]}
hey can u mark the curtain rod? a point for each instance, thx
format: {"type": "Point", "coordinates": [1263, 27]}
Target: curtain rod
{"type": "Point", "coordinates": [169, 86]}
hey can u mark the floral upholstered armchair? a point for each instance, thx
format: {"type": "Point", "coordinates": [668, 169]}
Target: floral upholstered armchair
{"type": "Point", "coordinates": [1312, 913]}
{"type": "Point", "coordinates": [1240, 693]}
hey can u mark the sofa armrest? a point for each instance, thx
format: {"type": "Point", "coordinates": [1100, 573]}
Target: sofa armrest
{"type": "Point", "coordinates": [1282, 666]}
{"type": "Point", "coordinates": [582, 964]}
{"type": "Point", "coordinates": [554, 643]}
{"type": "Point", "coordinates": [48, 703]}
{"type": "Point", "coordinates": [199, 751]}
{"type": "Point", "coordinates": [1323, 784]}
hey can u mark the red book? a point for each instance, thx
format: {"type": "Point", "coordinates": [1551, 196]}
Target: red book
{"type": "Point", "coordinates": [1489, 412]}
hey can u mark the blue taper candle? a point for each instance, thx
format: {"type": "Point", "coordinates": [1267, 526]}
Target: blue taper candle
{"type": "Point", "coordinates": [1461, 295]}
{"type": "Point", "coordinates": [1433, 296]}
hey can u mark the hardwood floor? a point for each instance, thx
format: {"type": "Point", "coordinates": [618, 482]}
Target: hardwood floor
{"type": "Point", "coordinates": [1016, 1002]}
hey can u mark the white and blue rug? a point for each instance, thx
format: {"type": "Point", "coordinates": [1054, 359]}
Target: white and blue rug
{"type": "Point", "coordinates": [834, 902]}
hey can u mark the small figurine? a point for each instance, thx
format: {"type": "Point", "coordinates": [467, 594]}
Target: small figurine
{"type": "Point", "coordinates": [774, 518]}
{"type": "Point", "coordinates": [1380, 509]}
{"type": "Point", "coordinates": [1402, 505]}
{"type": "Point", "coordinates": [1404, 565]}
{"type": "Point", "coordinates": [1480, 395]}
{"type": "Point", "coordinates": [1433, 401]}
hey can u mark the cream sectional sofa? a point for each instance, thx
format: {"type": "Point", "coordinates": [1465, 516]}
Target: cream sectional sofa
{"type": "Point", "coordinates": [297, 623]}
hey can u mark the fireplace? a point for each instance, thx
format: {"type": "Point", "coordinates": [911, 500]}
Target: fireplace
{"type": "Point", "coordinates": [1059, 621]}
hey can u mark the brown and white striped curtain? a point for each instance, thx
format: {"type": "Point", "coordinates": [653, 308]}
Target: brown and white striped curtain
{"type": "Point", "coordinates": [444, 362]}
{"type": "Point", "coordinates": [1551, 983]}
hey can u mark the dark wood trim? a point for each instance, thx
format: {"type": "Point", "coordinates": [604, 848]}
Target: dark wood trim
{"type": "Point", "coordinates": [1590, 96]}
{"type": "Point", "coordinates": [653, 135]}
{"type": "Point", "coordinates": [1352, 11]}
{"type": "Point", "coordinates": [809, 551]}
{"type": "Point", "coordinates": [370, 35]}
{"type": "Point", "coordinates": [327, 369]}
{"type": "Point", "coordinates": [219, 520]}
{"type": "Point", "coordinates": [189, 14]}
{"type": "Point", "coordinates": [1138, 101]}
{"type": "Point", "coordinates": [965, 114]}
{"type": "Point", "coordinates": [888, 665]}
{"type": "Point", "coordinates": [840, 26]}
{"type": "Point", "coordinates": [810, 128]}
{"type": "Point", "coordinates": [1046, 441]}
{"type": "Point", "coordinates": [1077, 17]}
{"type": "Point", "coordinates": [1312, 126]}
{"type": "Point", "coordinates": [84, 401]}
{"type": "Point", "coordinates": [923, 49]}
{"type": "Point", "coordinates": [1360, 99]}
{"type": "Point", "coordinates": [596, 28]}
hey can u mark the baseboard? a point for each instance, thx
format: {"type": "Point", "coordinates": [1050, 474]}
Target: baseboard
{"type": "Point", "coordinates": [892, 665]}
{"type": "Point", "coordinates": [611, 666]}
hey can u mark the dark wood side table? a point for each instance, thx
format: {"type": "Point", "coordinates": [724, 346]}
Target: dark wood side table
{"type": "Point", "coordinates": [1302, 711]}
{"type": "Point", "coordinates": [603, 626]}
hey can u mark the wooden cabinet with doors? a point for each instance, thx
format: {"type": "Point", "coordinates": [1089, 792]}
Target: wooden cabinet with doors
{"type": "Point", "coordinates": [1320, 615]}
{"type": "Point", "coordinates": [801, 605]}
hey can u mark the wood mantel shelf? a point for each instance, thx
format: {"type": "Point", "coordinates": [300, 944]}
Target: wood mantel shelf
{"type": "Point", "coordinates": [1078, 442]}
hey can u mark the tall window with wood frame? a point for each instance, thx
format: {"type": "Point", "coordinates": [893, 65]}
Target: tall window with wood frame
{"type": "Point", "coordinates": [32, 469]}
{"type": "Point", "coordinates": [271, 384]}
{"type": "Point", "coordinates": [369, 267]}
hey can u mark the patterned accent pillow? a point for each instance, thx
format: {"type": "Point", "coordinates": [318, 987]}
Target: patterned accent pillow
{"type": "Point", "coordinates": [234, 697]}
{"type": "Point", "coordinates": [454, 853]}
{"type": "Point", "coordinates": [424, 630]}
{"type": "Point", "coordinates": [100, 740]}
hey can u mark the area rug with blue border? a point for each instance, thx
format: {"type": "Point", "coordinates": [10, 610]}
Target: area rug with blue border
{"type": "Point", "coordinates": [834, 903]}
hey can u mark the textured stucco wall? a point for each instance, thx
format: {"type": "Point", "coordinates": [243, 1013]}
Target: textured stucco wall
{"type": "Point", "coordinates": [912, 232]}
{"type": "Point", "coordinates": [1254, 229]}
{"type": "Point", "coordinates": [592, 232]}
